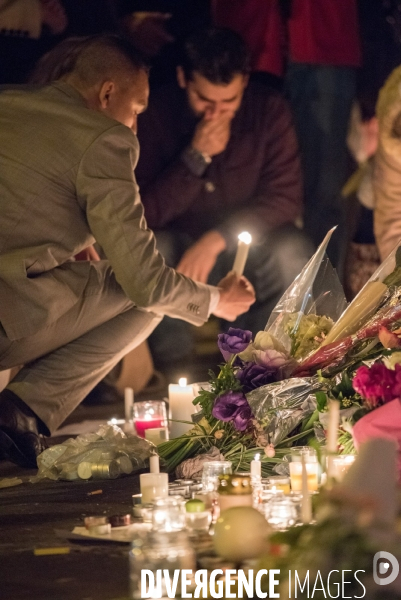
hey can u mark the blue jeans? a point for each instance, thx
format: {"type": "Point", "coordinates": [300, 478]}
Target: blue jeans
{"type": "Point", "coordinates": [271, 267]}
{"type": "Point", "coordinates": [321, 99]}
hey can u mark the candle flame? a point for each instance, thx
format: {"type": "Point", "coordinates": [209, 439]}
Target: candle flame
{"type": "Point", "coordinates": [182, 382]}
{"type": "Point", "coordinates": [257, 456]}
{"type": "Point", "coordinates": [245, 237]}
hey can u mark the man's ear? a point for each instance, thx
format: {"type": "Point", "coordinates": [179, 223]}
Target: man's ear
{"type": "Point", "coordinates": [105, 92]}
{"type": "Point", "coordinates": [182, 82]}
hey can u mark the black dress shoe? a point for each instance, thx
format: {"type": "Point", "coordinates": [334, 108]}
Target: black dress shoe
{"type": "Point", "coordinates": [20, 441]}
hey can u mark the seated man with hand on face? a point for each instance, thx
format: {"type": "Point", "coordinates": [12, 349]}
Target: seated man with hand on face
{"type": "Point", "coordinates": [219, 156]}
{"type": "Point", "coordinates": [67, 155]}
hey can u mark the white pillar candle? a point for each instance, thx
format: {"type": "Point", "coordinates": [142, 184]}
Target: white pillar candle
{"type": "Point", "coordinates": [244, 241]}
{"type": "Point", "coordinates": [128, 403]}
{"type": "Point", "coordinates": [306, 506]}
{"type": "Point", "coordinates": [153, 485]}
{"type": "Point", "coordinates": [154, 464]}
{"type": "Point", "coordinates": [156, 435]}
{"type": "Point", "coordinates": [256, 467]}
{"type": "Point", "coordinates": [181, 408]}
{"type": "Point", "coordinates": [332, 436]}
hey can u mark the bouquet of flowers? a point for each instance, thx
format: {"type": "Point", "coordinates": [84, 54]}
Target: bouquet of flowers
{"type": "Point", "coordinates": [273, 390]}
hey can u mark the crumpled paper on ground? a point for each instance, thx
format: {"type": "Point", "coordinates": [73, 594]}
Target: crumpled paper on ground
{"type": "Point", "coordinates": [108, 445]}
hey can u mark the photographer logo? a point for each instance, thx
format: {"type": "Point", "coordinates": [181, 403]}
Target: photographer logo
{"type": "Point", "coordinates": [385, 568]}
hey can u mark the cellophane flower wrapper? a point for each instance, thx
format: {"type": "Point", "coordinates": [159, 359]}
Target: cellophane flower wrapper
{"type": "Point", "coordinates": [91, 447]}
{"type": "Point", "coordinates": [316, 292]}
{"type": "Point", "coordinates": [377, 305]}
{"type": "Point", "coordinates": [280, 407]}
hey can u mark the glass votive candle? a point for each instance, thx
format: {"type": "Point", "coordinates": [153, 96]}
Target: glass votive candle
{"type": "Point", "coordinates": [311, 464]}
{"type": "Point", "coordinates": [168, 551]}
{"type": "Point", "coordinates": [281, 513]}
{"type": "Point", "coordinates": [153, 485]}
{"type": "Point", "coordinates": [279, 482]}
{"type": "Point", "coordinates": [151, 414]}
{"type": "Point", "coordinates": [168, 514]}
{"type": "Point", "coordinates": [341, 464]}
{"type": "Point", "coordinates": [211, 472]}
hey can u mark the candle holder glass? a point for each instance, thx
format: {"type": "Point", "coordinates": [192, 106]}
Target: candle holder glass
{"type": "Point", "coordinates": [168, 514]}
{"type": "Point", "coordinates": [311, 464]}
{"type": "Point", "coordinates": [341, 464]}
{"type": "Point", "coordinates": [281, 513]}
{"type": "Point", "coordinates": [211, 472]}
{"type": "Point", "coordinates": [159, 552]}
{"type": "Point", "coordinates": [151, 414]}
{"type": "Point", "coordinates": [279, 482]}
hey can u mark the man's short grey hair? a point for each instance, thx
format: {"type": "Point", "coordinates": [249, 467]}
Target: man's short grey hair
{"type": "Point", "coordinates": [105, 57]}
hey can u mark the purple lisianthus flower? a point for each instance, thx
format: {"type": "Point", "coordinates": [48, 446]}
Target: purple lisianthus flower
{"type": "Point", "coordinates": [233, 342]}
{"type": "Point", "coordinates": [228, 404]}
{"type": "Point", "coordinates": [233, 406]}
{"type": "Point", "coordinates": [242, 418]}
{"type": "Point", "coordinates": [376, 384]}
{"type": "Point", "coordinates": [252, 376]}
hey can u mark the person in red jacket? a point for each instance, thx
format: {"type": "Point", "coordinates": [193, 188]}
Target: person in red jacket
{"type": "Point", "coordinates": [315, 45]}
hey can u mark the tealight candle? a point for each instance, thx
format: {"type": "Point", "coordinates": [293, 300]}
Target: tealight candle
{"type": "Point", "coordinates": [244, 241]}
{"type": "Point", "coordinates": [181, 408]}
{"type": "Point", "coordinates": [153, 485]}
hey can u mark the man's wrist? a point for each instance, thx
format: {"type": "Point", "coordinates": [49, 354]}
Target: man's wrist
{"type": "Point", "coordinates": [196, 161]}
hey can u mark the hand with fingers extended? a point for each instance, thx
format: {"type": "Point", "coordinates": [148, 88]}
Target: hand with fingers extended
{"type": "Point", "coordinates": [236, 296]}
{"type": "Point", "coordinates": [212, 133]}
{"type": "Point", "coordinates": [198, 261]}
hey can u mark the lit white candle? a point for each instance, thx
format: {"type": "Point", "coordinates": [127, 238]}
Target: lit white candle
{"type": "Point", "coordinates": [154, 464]}
{"type": "Point", "coordinates": [181, 408]}
{"type": "Point", "coordinates": [306, 506]}
{"type": "Point", "coordinates": [244, 241]}
{"type": "Point", "coordinates": [128, 404]}
{"type": "Point", "coordinates": [332, 436]}
{"type": "Point", "coordinates": [153, 485]}
{"type": "Point", "coordinates": [256, 467]}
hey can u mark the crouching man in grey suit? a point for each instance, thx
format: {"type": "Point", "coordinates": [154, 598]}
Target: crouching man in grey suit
{"type": "Point", "coordinates": [67, 155]}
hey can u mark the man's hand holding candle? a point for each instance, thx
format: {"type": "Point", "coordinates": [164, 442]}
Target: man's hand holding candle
{"type": "Point", "coordinates": [236, 296]}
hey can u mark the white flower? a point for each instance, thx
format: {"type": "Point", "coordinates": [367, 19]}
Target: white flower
{"type": "Point", "coordinates": [392, 360]}
{"type": "Point", "coordinates": [263, 341]}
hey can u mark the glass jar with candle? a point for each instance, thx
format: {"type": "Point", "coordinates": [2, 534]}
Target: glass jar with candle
{"type": "Point", "coordinates": [281, 513]}
{"type": "Point", "coordinates": [234, 490]}
{"type": "Point", "coordinates": [168, 514]}
{"type": "Point", "coordinates": [162, 553]}
{"type": "Point", "coordinates": [211, 472]}
{"type": "Point", "coordinates": [341, 464]}
{"type": "Point", "coordinates": [311, 464]}
{"type": "Point", "coordinates": [151, 414]}
{"type": "Point", "coordinates": [279, 482]}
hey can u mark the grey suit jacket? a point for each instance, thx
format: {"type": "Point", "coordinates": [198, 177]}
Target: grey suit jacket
{"type": "Point", "coordinates": [66, 180]}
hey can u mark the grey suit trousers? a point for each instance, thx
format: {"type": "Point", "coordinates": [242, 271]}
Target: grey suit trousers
{"type": "Point", "coordinates": [64, 361]}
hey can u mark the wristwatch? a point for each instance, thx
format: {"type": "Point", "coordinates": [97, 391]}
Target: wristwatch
{"type": "Point", "coordinates": [196, 161]}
